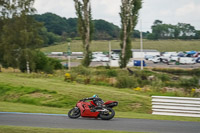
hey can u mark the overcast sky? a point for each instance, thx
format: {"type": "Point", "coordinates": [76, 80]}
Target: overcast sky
{"type": "Point", "coordinates": [169, 11]}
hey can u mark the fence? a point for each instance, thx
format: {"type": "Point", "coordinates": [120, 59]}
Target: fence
{"type": "Point", "coordinates": [177, 106]}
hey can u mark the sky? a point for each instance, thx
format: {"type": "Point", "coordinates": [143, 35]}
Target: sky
{"type": "Point", "coordinates": [169, 11]}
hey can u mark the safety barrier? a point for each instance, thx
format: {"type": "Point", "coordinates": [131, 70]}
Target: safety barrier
{"type": "Point", "coordinates": [176, 106]}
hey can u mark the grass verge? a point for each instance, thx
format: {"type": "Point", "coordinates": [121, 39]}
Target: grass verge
{"type": "Point", "coordinates": [55, 92]}
{"type": "Point", "coordinates": [15, 129]}
{"type": "Point", "coordinates": [18, 107]}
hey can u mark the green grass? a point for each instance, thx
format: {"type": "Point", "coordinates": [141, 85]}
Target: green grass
{"type": "Point", "coordinates": [25, 108]}
{"type": "Point", "coordinates": [40, 93]}
{"type": "Point", "coordinates": [15, 129]}
{"type": "Point", "coordinates": [161, 45]}
{"type": "Point", "coordinates": [23, 88]}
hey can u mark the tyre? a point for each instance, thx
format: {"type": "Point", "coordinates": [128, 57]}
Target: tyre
{"type": "Point", "coordinates": [107, 115]}
{"type": "Point", "coordinates": [74, 113]}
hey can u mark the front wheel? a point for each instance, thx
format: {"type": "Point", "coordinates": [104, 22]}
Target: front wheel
{"type": "Point", "coordinates": [74, 113]}
{"type": "Point", "coordinates": [107, 115]}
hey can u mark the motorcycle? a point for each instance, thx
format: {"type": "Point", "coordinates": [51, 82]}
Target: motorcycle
{"type": "Point", "coordinates": [87, 109]}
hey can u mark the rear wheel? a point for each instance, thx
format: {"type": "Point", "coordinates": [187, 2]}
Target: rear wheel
{"type": "Point", "coordinates": [107, 115]}
{"type": "Point", "coordinates": [74, 113]}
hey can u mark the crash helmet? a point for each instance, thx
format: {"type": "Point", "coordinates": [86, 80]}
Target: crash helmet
{"type": "Point", "coordinates": [95, 96]}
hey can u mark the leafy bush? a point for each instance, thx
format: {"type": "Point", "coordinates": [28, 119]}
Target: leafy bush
{"type": "Point", "coordinates": [189, 83]}
{"type": "Point", "coordinates": [81, 70]}
{"type": "Point", "coordinates": [80, 79]}
{"type": "Point", "coordinates": [126, 82]}
{"type": "Point", "coordinates": [164, 77]}
{"type": "Point", "coordinates": [55, 63]}
{"type": "Point", "coordinates": [43, 63]}
{"type": "Point", "coordinates": [112, 73]}
{"type": "Point", "coordinates": [179, 71]}
{"type": "Point", "coordinates": [48, 69]}
{"type": "Point", "coordinates": [142, 83]}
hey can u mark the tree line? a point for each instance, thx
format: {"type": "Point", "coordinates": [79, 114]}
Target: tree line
{"type": "Point", "coordinates": [57, 29]}
{"type": "Point", "coordinates": [168, 31]}
{"type": "Point", "coordinates": [20, 37]}
{"type": "Point", "coordinates": [67, 28]}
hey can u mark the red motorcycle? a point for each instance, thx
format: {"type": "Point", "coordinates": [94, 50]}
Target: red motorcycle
{"type": "Point", "coordinates": [86, 109]}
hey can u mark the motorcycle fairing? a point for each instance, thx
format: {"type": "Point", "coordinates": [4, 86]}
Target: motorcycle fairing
{"type": "Point", "coordinates": [85, 110]}
{"type": "Point", "coordinates": [111, 103]}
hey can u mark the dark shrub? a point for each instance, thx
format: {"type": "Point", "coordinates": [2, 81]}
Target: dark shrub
{"type": "Point", "coordinates": [43, 63]}
{"type": "Point", "coordinates": [55, 63]}
{"type": "Point", "coordinates": [126, 82]}
{"type": "Point", "coordinates": [48, 68]}
{"type": "Point", "coordinates": [164, 77]}
{"type": "Point", "coordinates": [81, 70]}
{"type": "Point", "coordinates": [112, 73]}
{"type": "Point", "coordinates": [189, 83]}
{"type": "Point", "coordinates": [142, 83]}
{"type": "Point", "coordinates": [195, 72]}
{"type": "Point", "coordinates": [40, 61]}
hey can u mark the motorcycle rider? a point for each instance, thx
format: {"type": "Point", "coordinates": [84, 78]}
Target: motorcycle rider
{"type": "Point", "coordinates": [98, 101]}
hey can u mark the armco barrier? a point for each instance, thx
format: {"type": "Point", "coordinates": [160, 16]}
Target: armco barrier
{"type": "Point", "coordinates": [177, 106]}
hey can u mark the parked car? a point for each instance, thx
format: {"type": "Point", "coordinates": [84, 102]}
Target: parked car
{"type": "Point", "coordinates": [174, 58]}
{"type": "Point", "coordinates": [156, 59]}
{"type": "Point", "coordinates": [96, 59]}
{"type": "Point", "coordinates": [105, 59]}
{"type": "Point", "coordinates": [181, 54]}
{"type": "Point", "coordinates": [198, 60]}
{"type": "Point", "coordinates": [168, 54]}
{"type": "Point", "coordinates": [115, 56]}
{"type": "Point", "coordinates": [148, 57]}
{"type": "Point", "coordinates": [187, 60]}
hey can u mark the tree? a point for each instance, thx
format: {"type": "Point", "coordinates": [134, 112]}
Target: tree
{"type": "Point", "coordinates": [85, 27]}
{"type": "Point", "coordinates": [53, 23]}
{"type": "Point", "coordinates": [186, 31]}
{"type": "Point", "coordinates": [28, 30]}
{"type": "Point", "coordinates": [19, 33]}
{"type": "Point", "coordinates": [105, 30]}
{"type": "Point", "coordinates": [197, 36]}
{"type": "Point", "coordinates": [129, 16]}
{"type": "Point", "coordinates": [6, 54]}
{"type": "Point", "coordinates": [156, 29]}
{"type": "Point", "coordinates": [168, 31]}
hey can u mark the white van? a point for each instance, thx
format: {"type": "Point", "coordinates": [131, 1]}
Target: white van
{"type": "Point", "coordinates": [187, 60]}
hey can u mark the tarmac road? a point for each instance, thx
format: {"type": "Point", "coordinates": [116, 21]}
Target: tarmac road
{"type": "Point", "coordinates": [62, 121]}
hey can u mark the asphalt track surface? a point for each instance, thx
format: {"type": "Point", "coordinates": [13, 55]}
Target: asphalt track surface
{"type": "Point", "coordinates": [62, 121]}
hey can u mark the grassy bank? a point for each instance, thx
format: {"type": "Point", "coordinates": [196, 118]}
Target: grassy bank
{"type": "Point", "coordinates": [15, 129]}
{"type": "Point", "coordinates": [44, 93]}
{"type": "Point", "coordinates": [161, 45]}
{"type": "Point", "coordinates": [26, 108]}
{"type": "Point", "coordinates": [53, 91]}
